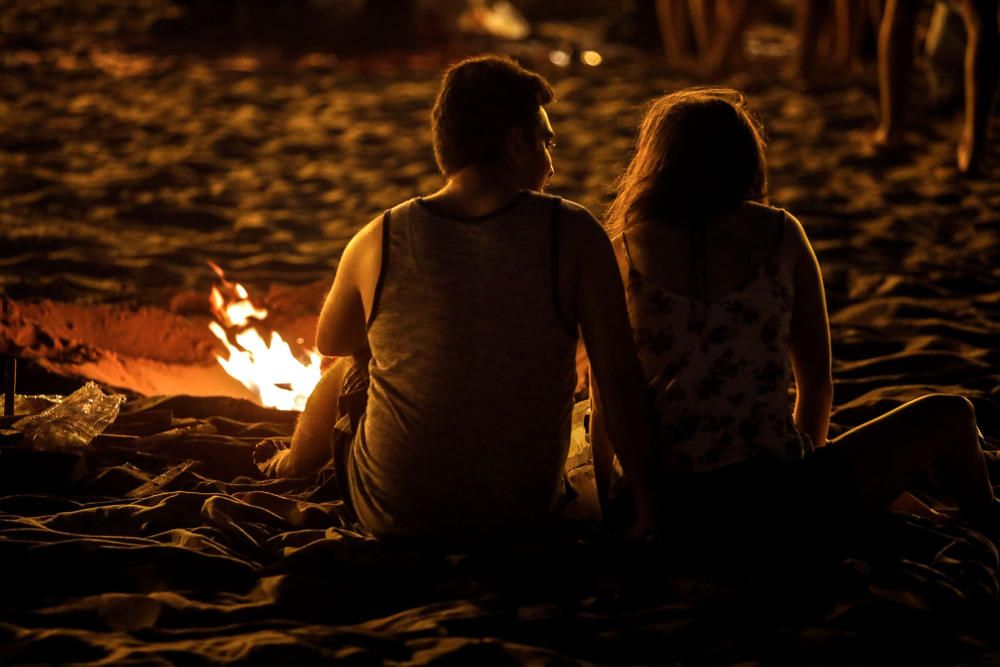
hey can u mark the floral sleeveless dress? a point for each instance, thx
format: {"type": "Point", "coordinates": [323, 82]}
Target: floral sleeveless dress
{"type": "Point", "coordinates": [719, 370]}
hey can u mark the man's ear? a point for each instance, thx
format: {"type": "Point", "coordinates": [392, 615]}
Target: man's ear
{"type": "Point", "coordinates": [518, 151]}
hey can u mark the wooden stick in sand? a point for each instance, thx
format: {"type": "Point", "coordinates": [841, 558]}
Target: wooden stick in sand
{"type": "Point", "coordinates": [9, 384]}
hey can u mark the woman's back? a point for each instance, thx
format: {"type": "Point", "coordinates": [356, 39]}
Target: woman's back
{"type": "Point", "coordinates": [736, 243]}
{"type": "Point", "coordinates": [711, 308]}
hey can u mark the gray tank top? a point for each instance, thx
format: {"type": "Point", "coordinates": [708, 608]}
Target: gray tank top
{"type": "Point", "coordinates": [472, 374]}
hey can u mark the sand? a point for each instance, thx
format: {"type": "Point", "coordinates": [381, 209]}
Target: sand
{"type": "Point", "coordinates": [124, 169]}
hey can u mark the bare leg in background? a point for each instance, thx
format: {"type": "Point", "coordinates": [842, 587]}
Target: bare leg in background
{"type": "Point", "coordinates": [849, 27]}
{"type": "Point", "coordinates": [810, 16]}
{"type": "Point", "coordinates": [982, 70]}
{"type": "Point", "coordinates": [727, 52]}
{"type": "Point", "coordinates": [675, 32]}
{"type": "Point", "coordinates": [705, 23]}
{"type": "Point", "coordinates": [895, 64]}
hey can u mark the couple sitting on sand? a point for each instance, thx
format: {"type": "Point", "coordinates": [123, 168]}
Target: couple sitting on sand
{"type": "Point", "coordinates": [456, 317]}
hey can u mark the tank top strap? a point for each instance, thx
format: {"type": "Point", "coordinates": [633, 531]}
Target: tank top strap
{"type": "Point", "coordinates": [564, 319]}
{"type": "Point", "coordinates": [383, 266]}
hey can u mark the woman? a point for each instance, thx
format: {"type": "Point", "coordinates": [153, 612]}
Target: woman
{"type": "Point", "coordinates": [726, 303]}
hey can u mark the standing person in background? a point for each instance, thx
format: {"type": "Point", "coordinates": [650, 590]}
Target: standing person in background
{"type": "Point", "coordinates": [707, 38]}
{"type": "Point", "coordinates": [982, 74]}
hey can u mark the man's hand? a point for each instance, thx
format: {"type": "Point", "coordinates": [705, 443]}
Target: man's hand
{"type": "Point", "coordinates": [271, 456]}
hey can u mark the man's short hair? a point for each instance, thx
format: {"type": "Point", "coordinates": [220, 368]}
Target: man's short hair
{"type": "Point", "coordinates": [480, 101]}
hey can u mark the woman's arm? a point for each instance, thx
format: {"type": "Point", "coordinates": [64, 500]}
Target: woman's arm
{"type": "Point", "coordinates": [810, 341]}
{"type": "Point", "coordinates": [618, 382]}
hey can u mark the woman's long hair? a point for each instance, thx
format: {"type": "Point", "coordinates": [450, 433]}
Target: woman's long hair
{"type": "Point", "coordinates": [699, 151]}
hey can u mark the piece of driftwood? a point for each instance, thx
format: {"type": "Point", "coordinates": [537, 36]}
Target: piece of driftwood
{"type": "Point", "coordinates": [160, 482]}
{"type": "Point", "coordinates": [9, 384]}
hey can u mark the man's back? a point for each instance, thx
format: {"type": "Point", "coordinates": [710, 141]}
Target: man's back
{"type": "Point", "coordinates": [472, 373]}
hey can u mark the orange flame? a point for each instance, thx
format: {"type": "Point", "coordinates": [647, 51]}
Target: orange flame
{"type": "Point", "coordinates": [268, 369]}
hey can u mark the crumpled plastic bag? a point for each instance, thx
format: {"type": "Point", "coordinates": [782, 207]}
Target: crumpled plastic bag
{"type": "Point", "coordinates": [74, 422]}
{"type": "Point", "coordinates": [29, 404]}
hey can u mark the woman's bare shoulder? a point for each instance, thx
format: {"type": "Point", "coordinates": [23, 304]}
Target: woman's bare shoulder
{"type": "Point", "coordinates": [783, 224]}
{"type": "Point", "coordinates": [795, 241]}
{"type": "Point", "coordinates": [794, 231]}
{"type": "Point", "coordinates": [763, 213]}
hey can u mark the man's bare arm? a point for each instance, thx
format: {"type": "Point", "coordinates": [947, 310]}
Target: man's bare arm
{"type": "Point", "coordinates": [619, 384]}
{"type": "Point", "coordinates": [601, 447]}
{"type": "Point", "coordinates": [342, 327]}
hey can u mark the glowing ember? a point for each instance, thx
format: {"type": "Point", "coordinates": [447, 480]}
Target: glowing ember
{"type": "Point", "coordinates": [268, 369]}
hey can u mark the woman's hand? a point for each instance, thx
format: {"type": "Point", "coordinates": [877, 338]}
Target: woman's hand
{"type": "Point", "coordinates": [910, 504]}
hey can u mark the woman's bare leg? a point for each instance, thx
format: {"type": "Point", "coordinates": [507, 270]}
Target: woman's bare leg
{"type": "Point", "coordinates": [935, 434]}
{"type": "Point", "coordinates": [982, 70]}
{"type": "Point", "coordinates": [310, 448]}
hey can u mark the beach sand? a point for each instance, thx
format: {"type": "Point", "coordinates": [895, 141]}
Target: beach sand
{"type": "Point", "coordinates": [125, 169]}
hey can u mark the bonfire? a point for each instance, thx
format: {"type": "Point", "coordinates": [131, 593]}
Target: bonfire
{"type": "Point", "coordinates": [268, 368]}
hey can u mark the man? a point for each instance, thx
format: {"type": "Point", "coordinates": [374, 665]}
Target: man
{"type": "Point", "coordinates": [468, 302]}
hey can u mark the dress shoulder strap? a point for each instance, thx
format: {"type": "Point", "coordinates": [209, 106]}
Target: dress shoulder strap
{"type": "Point", "coordinates": [628, 253]}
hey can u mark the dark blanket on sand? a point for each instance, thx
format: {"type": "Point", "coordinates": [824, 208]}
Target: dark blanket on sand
{"type": "Point", "coordinates": [160, 543]}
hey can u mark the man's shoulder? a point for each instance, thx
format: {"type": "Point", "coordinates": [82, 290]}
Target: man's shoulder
{"type": "Point", "coordinates": [578, 213]}
{"type": "Point", "coordinates": [374, 226]}
{"type": "Point", "coordinates": [370, 230]}
{"type": "Point", "coordinates": [579, 226]}
{"type": "Point", "coordinates": [370, 236]}
{"type": "Point", "coordinates": [568, 209]}
{"type": "Point", "coordinates": [399, 209]}
{"type": "Point", "coordinates": [576, 223]}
